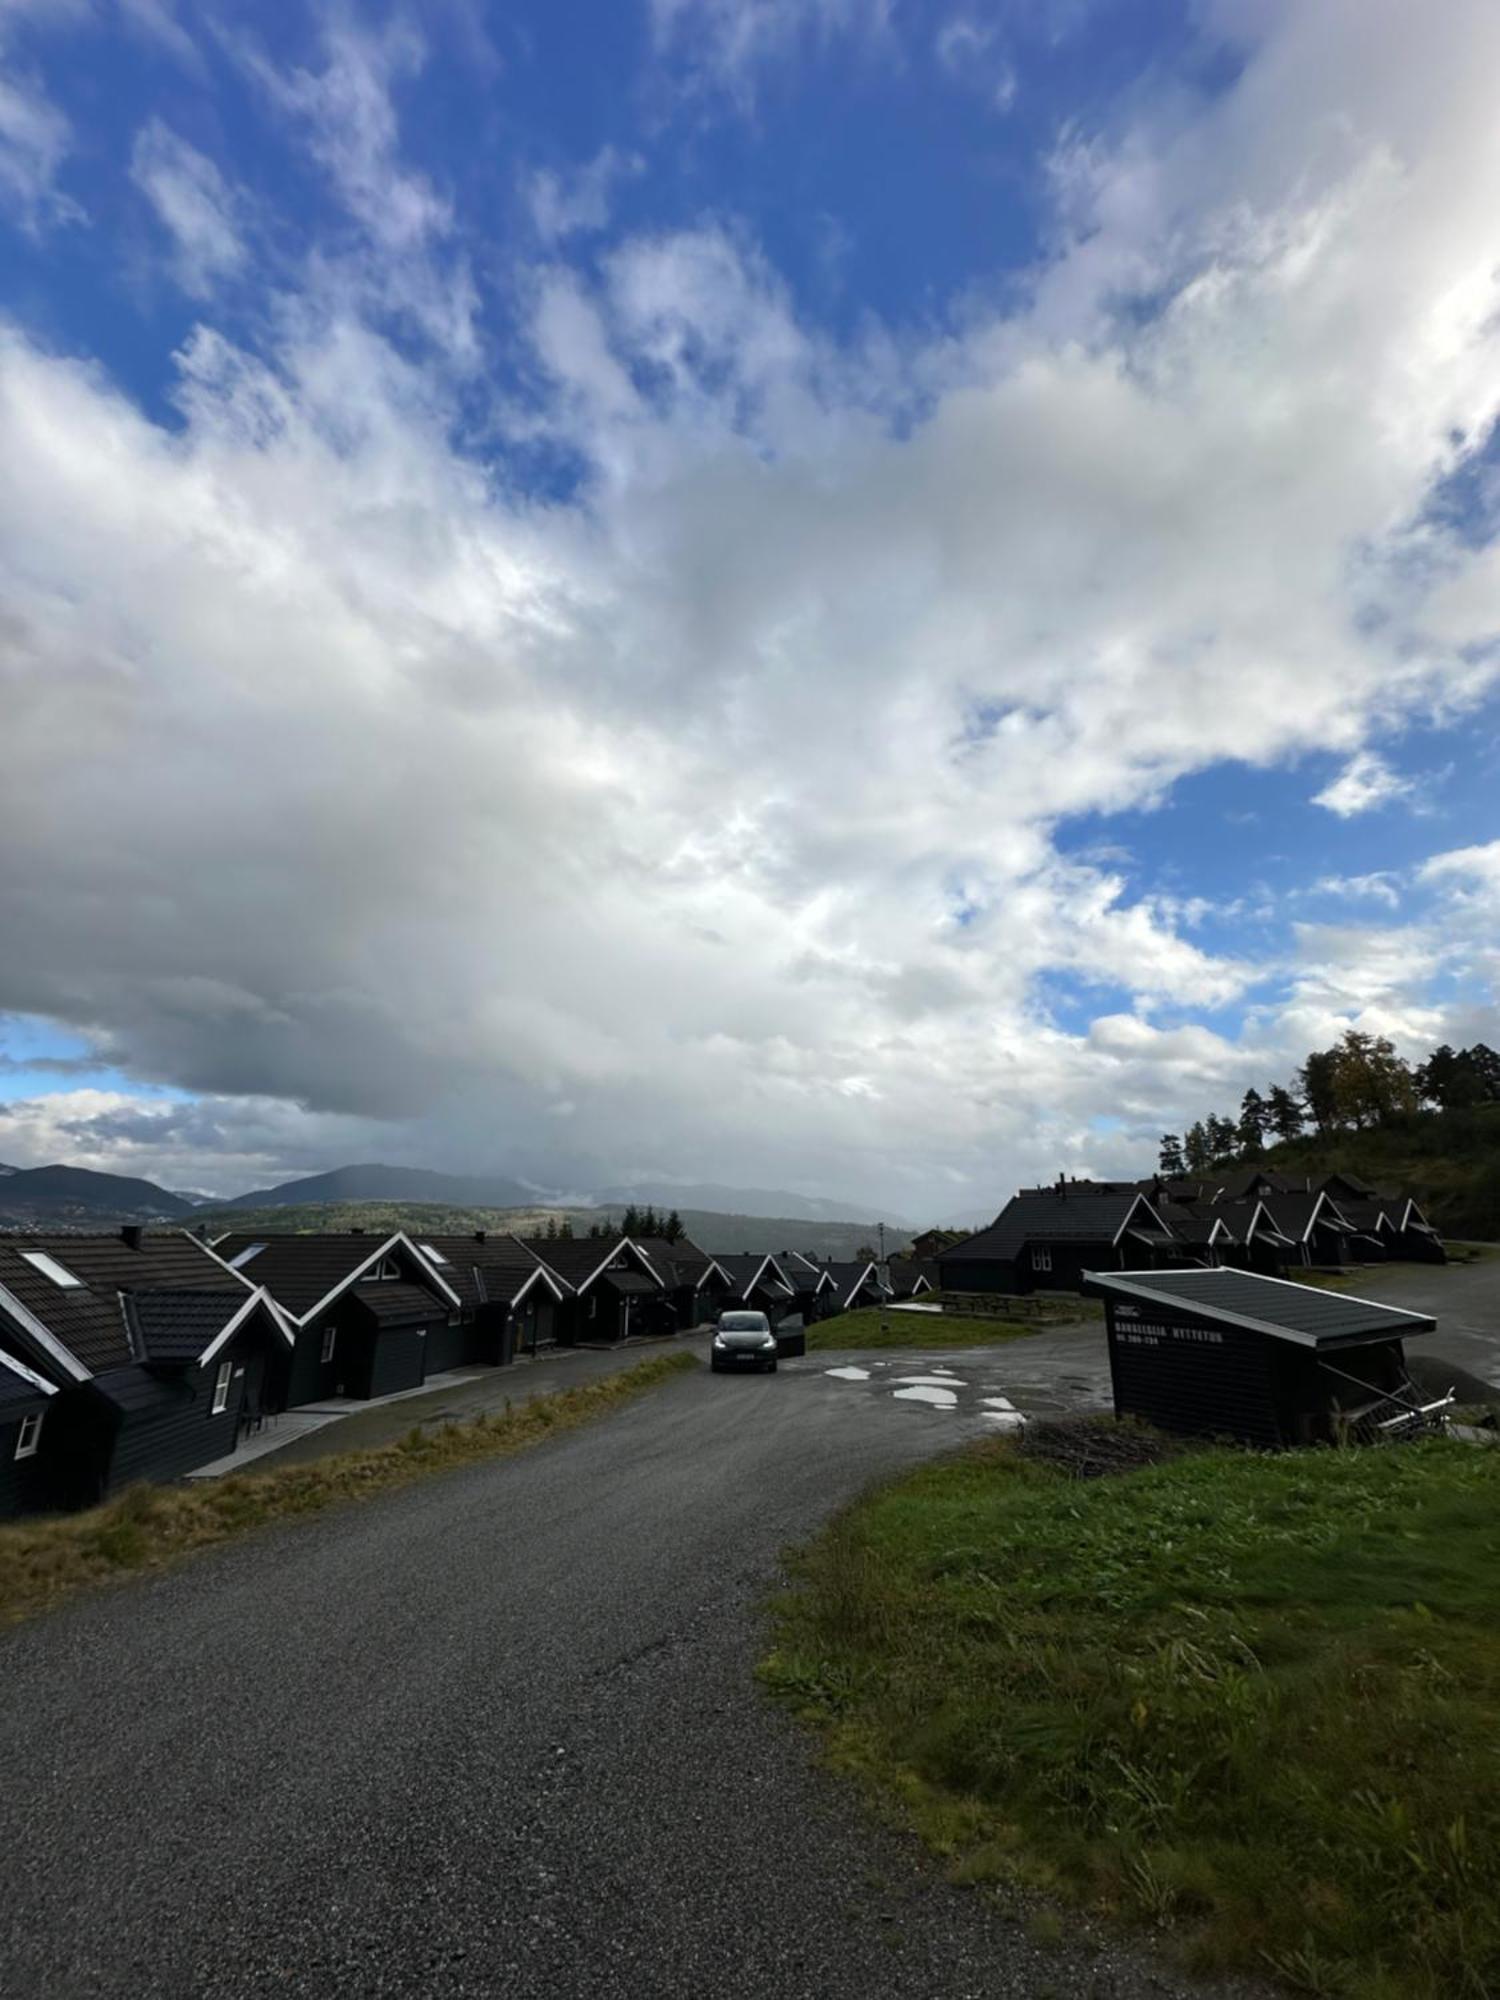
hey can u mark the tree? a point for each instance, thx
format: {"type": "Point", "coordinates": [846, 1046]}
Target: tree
{"type": "Point", "coordinates": [1169, 1158]}
{"type": "Point", "coordinates": [1317, 1080]}
{"type": "Point", "coordinates": [1458, 1079]}
{"type": "Point", "coordinates": [648, 1222]}
{"type": "Point", "coordinates": [672, 1228]}
{"type": "Point", "coordinates": [1195, 1148]}
{"type": "Point", "coordinates": [631, 1222]}
{"type": "Point", "coordinates": [1255, 1122]}
{"type": "Point", "coordinates": [565, 1230]}
{"type": "Point", "coordinates": [1221, 1134]}
{"type": "Point", "coordinates": [550, 1232]}
{"type": "Point", "coordinates": [1371, 1083]}
{"type": "Point", "coordinates": [1284, 1114]}
{"type": "Point", "coordinates": [1486, 1067]}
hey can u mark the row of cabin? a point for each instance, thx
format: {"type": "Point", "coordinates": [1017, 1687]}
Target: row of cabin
{"type": "Point", "coordinates": [1046, 1239]}
{"type": "Point", "coordinates": [149, 1355]}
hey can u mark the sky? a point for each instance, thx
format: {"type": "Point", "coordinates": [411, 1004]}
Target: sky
{"type": "Point", "coordinates": [863, 596]}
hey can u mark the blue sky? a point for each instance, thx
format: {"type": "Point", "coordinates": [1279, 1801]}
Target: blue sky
{"type": "Point", "coordinates": [856, 594]}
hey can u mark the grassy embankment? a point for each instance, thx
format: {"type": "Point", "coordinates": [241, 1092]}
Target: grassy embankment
{"type": "Point", "coordinates": [1449, 1159]}
{"type": "Point", "coordinates": [1253, 1701]}
{"type": "Point", "coordinates": [149, 1527]}
{"type": "Point", "coordinates": [872, 1327]}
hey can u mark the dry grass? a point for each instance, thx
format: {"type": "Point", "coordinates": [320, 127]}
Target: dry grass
{"type": "Point", "coordinates": [148, 1527]}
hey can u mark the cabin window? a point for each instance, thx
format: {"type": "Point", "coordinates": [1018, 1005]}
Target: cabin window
{"type": "Point", "coordinates": [1041, 1260]}
{"type": "Point", "coordinates": [29, 1435]}
{"type": "Point", "coordinates": [49, 1267]}
{"type": "Point", "coordinates": [386, 1268]}
{"type": "Point", "coordinates": [221, 1387]}
{"type": "Point", "coordinates": [330, 1336]}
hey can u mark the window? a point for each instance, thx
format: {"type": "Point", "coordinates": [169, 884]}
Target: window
{"type": "Point", "coordinates": [386, 1268]}
{"type": "Point", "coordinates": [50, 1268]}
{"type": "Point", "coordinates": [1041, 1260]}
{"type": "Point", "coordinates": [250, 1250]}
{"type": "Point", "coordinates": [330, 1335]}
{"type": "Point", "coordinates": [29, 1434]}
{"type": "Point", "coordinates": [433, 1256]}
{"type": "Point", "coordinates": [221, 1387]}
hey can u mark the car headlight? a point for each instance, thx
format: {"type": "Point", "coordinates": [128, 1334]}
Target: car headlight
{"type": "Point", "coordinates": [769, 1341]}
{"type": "Point", "coordinates": [720, 1341]}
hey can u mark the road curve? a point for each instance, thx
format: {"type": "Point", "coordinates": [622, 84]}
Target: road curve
{"type": "Point", "coordinates": [496, 1734]}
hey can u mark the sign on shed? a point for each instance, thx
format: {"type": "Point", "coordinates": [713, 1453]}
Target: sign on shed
{"type": "Point", "coordinates": [1225, 1353]}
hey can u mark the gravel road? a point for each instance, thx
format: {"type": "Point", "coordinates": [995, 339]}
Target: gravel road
{"type": "Point", "coordinates": [497, 1734]}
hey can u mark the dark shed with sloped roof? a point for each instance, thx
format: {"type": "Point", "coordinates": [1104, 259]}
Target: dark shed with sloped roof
{"type": "Point", "coordinates": [1225, 1353]}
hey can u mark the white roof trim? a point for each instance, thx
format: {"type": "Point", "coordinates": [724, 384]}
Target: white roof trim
{"type": "Point", "coordinates": [859, 1282]}
{"type": "Point", "coordinates": [1138, 1285]}
{"type": "Point", "coordinates": [27, 1374]}
{"type": "Point", "coordinates": [1139, 1202]}
{"type": "Point", "coordinates": [711, 1266]}
{"type": "Point", "coordinates": [381, 1250]}
{"type": "Point", "coordinates": [547, 1277]}
{"type": "Point", "coordinates": [260, 1296]}
{"type": "Point", "coordinates": [45, 1339]}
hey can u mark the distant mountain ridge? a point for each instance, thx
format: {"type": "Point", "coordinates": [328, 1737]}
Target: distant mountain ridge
{"type": "Point", "coordinates": [725, 1200]}
{"type": "Point", "coordinates": [381, 1183]}
{"type": "Point", "coordinates": [36, 1197]}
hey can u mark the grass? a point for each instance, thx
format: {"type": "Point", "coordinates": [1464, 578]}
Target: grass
{"type": "Point", "coordinates": [148, 1527]}
{"type": "Point", "coordinates": [863, 1328]}
{"type": "Point", "coordinates": [1251, 1701]}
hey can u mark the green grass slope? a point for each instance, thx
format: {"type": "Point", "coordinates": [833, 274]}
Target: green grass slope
{"type": "Point", "coordinates": [1251, 1701]}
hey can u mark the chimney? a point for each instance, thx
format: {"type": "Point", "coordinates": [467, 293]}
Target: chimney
{"type": "Point", "coordinates": [1062, 1187]}
{"type": "Point", "coordinates": [356, 1231]}
{"type": "Point", "coordinates": [479, 1235]}
{"type": "Point", "coordinates": [130, 1236]}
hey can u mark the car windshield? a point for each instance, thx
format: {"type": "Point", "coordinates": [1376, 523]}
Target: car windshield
{"type": "Point", "coordinates": [744, 1323]}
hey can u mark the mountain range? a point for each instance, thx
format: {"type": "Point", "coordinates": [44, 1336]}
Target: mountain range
{"type": "Point", "coordinates": [79, 1198]}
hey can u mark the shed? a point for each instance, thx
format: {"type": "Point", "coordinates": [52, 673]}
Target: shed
{"type": "Point", "coordinates": [1226, 1353]}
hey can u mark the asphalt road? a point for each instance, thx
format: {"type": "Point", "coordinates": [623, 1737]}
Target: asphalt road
{"type": "Point", "coordinates": [1465, 1299]}
{"type": "Point", "coordinates": [499, 1734]}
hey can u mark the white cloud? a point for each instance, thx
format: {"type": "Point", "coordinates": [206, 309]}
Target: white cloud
{"type": "Point", "coordinates": [566, 204]}
{"type": "Point", "coordinates": [193, 203]}
{"type": "Point", "coordinates": [1365, 783]}
{"type": "Point", "coordinates": [728, 41]}
{"type": "Point", "coordinates": [35, 135]}
{"type": "Point", "coordinates": [717, 800]}
{"type": "Point", "coordinates": [969, 49]}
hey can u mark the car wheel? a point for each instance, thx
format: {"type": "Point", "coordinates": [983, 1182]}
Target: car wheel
{"type": "Point", "coordinates": [770, 1367]}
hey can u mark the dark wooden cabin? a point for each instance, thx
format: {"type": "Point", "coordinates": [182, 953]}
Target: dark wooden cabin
{"type": "Point", "coordinates": [363, 1308]}
{"type": "Point", "coordinates": [508, 1298]}
{"type": "Point", "coordinates": [758, 1283]}
{"type": "Point", "coordinates": [814, 1287]}
{"type": "Point", "coordinates": [158, 1361]}
{"type": "Point", "coordinates": [612, 1289]}
{"type": "Point", "coordinates": [695, 1282]}
{"type": "Point", "coordinates": [1225, 1353]}
{"type": "Point", "coordinates": [1046, 1239]}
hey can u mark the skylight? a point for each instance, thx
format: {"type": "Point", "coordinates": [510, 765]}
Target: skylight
{"type": "Point", "coordinates": [50, 1268]}
{"type": "Point", "coordinates": [436, 1256]}
{"type": "Point", "coordinates": [250, 1250]}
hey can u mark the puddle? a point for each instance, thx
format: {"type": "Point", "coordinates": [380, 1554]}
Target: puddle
{"type": "Point", "coordinates": [925, 1392]}
{"type": "Point", "coordinates": [1003, 1420]}
{"type": "Point", "coordinates": [997, 1402]}
{"type": "Point", "coordinates": [929, 1381]}
{"type": "Point", "coordinates": [849, 1374]}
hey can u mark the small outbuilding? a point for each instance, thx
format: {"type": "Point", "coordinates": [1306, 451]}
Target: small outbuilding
{"type": "Point", "coordinates": [1226, 1353]}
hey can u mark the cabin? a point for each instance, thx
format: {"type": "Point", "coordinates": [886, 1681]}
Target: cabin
{"type": "Point", "coordinates": [908, 1279]}
{"type": "Point", "coordinates": [613, 1291]}
{"type": "Point", "coordinates": [1235, 1354]}
{"type": "Point", "coordinates": [508, 1299]}
{"type": "Point", "coordinates": [814, 1287]}
{"type": "Point", "coordinates": [129, 1356]}
{"type": "Point", "coordinates": [856, 1283]}
{"type": "Point", "coordinates": [370, 1315]}
{"type": "Point", "coordinates": [1046, 1239]}
{"type": "Point", "coordinates": [696, 1283]}
{"type": "Point", "coordinates": [758, 1283]}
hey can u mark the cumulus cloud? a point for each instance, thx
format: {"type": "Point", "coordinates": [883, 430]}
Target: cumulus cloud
{"type": "Point", "coordinates": [192, 202]}
{"type": "Point", "coordinates": [707, 815]}
{"type": "Point", "coordinates": [1365, 783]}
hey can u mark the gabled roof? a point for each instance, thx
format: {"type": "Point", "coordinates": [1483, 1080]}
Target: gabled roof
{"type": "Point", "coordinates": [582, 1260]}
{"type": "Point", "coordinates": [490, 1269]}
{"type": "Point", "coordinates": [1076, 1215]}
{"type": "Point", "coordinates": [1297, 1214]}
{"type": "Point", "coordinates": [850, 1278]}
{"type": "Point", "coordinates": [305, 1274]}
{"type": "Point", "coordinates": [75, 1331]}
{"type": "Point", "coordinates": [1274, 1306]}
{"type": "Point", "coordinates": [747, 1269]}
{"type": "Point", "coordinates": [679, 1263]}
{"type": "Point", "coordinates": [193, 1324]}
